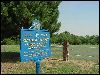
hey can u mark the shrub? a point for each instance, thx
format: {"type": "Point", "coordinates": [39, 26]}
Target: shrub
{"type": "Point", "coordinates": [11, 41]}
{"type": "Point", "coordinates": [8, 41]}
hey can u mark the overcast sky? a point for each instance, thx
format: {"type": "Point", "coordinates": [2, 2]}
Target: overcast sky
{"type": "Point", "coordinates": [79, 17]}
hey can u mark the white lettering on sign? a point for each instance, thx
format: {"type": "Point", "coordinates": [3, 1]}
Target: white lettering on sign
{"type": "Point", "coordinates": [35, 45]}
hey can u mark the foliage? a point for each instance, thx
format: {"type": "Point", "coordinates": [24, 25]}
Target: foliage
{"type": "Point", "coordinates": [74, 39]}
{"type": "Point", "coordinates": [11, 41]}
{"type": "Point", "coordinates": [8, 41]}
{"type": "Point", "coordinates": [54, 38]}
{"type": "Point", "coordinates": [17, 14]}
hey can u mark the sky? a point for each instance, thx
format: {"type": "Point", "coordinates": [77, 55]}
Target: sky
{"type": "Point", "coordinates": [79, 17]}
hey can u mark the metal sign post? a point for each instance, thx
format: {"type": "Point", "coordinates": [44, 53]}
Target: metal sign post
{"type": "Point", "coordinates": [35, 44]}
{"type": "Point", "coordinates": [38, 67]}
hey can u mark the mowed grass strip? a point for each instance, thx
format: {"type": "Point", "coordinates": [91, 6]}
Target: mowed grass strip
{"type": "Point", "coordinates": [53, 65]}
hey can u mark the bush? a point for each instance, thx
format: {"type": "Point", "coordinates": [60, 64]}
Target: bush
{"type": "Point", "coordinates": [10, 41]}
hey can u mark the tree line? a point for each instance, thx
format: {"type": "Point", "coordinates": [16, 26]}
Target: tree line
{"type": "Point", "coordinates": [17, 14]}
{"type": "Point", "coordinates": [74, 39]}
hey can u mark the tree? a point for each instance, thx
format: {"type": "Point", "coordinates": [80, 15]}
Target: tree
{"type": "Point", "coordinates": [54, 38]}
{"type": "Point", "coordinates": [94, 39]}
{"type": "Point", "coordinates": [74, 39]}
{"type": "Point", "coordinates": [83, 40]}
{"type": "Point", "coordinates": [65, 36]}
{"type": "Point", "coordinates": [17, 14]}
{"type": "Point", "coordinates": [87, 39]}
{"type": "Point", "coordinates": [97, 39]}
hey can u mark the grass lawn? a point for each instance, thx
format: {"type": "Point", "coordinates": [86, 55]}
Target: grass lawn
{"type": "Point", "coordinates": [81, 52]}
{"type": "Point", "coordinates": [83, 59]}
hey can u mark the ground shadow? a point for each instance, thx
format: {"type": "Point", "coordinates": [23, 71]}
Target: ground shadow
{"type": "Point", "coordinates": [10, 57]}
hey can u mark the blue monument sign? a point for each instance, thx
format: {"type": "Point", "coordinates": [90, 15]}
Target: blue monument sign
{"type": "Point", "coordinates": [35, 44]}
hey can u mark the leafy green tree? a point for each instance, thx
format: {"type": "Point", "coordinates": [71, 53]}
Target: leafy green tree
{"type": "Point", "coordinates": [17, 14]}
{"type": "Point", "coordinates": [97, 39]}
{"type": "Point", "coordinates": [87, 39]}
{"type": "Point", "coordinates": [54, 39]}
{"type": "Point", "coordinates": [74, 39]}
{"type": "Point", "coordinates": [82, 39]}
{"type": "Point", "coordinates": [94, 39]}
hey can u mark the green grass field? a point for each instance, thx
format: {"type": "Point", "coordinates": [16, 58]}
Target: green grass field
{"type": "Point", "coordinates": [83, 59]}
